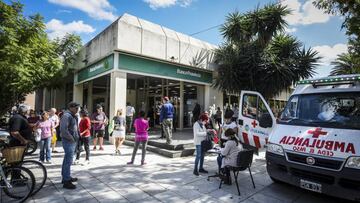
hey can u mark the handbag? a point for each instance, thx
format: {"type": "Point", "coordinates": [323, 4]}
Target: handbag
{"type": "Point", "coordinates": [207, 144]}
{"type": "Point", "coordinates": [37, 135]}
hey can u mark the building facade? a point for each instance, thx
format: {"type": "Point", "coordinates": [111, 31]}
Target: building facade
{"type": "Point", "coordinates": [138, 62]}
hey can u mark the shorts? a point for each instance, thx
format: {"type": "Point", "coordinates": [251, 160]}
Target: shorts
{"type": "Point", "coordinates": [118, 134]}
{"type": "Point", "coordinates": [99, 133]}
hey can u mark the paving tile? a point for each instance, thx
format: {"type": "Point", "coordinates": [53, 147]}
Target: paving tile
{"type": "Point", "coordinates": [152, 188]}
{"type": "Point", "coordinates": [260, 198]}
{"type": "Point", "coordinates": [170, 197]}
{"type": "Point", "coordinates": [132, 193]}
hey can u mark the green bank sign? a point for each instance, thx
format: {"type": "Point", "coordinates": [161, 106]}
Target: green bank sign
{"type": "Point", "coordinates": [102, 66]}
{"type": "Point", "coordinates": [142, 65]}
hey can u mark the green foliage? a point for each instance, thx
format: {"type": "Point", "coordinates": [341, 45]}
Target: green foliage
{"type": "Point", "coordinates": [346, 64]}
{"type": "Point", "coordinates": [28, 59]}
{"type": "Point", "coordinates": [350, 9]}
{"type": "Point", "coordinates": [258, 56]}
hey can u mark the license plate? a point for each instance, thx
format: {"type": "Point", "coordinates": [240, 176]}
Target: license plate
{"type": "Point", "coordinates": [308, 185]}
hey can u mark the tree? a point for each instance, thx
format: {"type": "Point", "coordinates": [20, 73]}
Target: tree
{"type": "Point", "coordinates": [28, 59]}
{"type": "Point", "coordinates": [257, 55]}
{"type": "Point", "coordinates": [351, 11]}
{"type": "Point", "coordinates": [345, 64]}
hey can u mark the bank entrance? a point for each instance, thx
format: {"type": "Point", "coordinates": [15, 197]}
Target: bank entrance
{"type": "Point", "coordinates": [145, 93]}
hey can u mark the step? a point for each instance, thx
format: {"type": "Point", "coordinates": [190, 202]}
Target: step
{"type": "Point", "coordinates": [165, 152]}
{"type": "Point", "coordinates": [161, 143]}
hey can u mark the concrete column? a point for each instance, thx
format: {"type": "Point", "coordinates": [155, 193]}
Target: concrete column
{"type": "Point", "coordinates": [117, 94]}
{"type": "Point", "coordinates": [89, 98]}
{"type": "Point", "coordinates": [181, 110]}
{"type": "Point", "coordinates": [78, 93]}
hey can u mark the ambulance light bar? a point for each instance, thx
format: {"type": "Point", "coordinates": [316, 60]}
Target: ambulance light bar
{"type": "Point", "coordinates": [331, 80]}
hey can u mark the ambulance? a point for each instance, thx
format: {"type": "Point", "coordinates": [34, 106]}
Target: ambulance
{"type": "Point", "coordinates": [314, 143]}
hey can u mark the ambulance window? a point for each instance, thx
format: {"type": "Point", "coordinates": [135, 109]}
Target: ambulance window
{"type": "Point", "coordinates": [291, 110]}
{"type": "Point", "coordinates": [261, 108]}
{"type": "Point", "coordinates": [249, 106]}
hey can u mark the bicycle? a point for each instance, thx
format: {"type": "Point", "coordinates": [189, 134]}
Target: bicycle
{"type": "Point", "coordinates": [39, 171]}
{"type": "Point", "coordinates": [37, 168]}
{"type": "Point", "coordinates": [17, 182]}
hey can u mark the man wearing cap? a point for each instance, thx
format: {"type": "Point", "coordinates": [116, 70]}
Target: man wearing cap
{"type": "Point", "coordinates": [19, 127]}
{"type": "Point", "coordinates": [166, 118]}
{"type": "Point", "coordinates": [69, 132]}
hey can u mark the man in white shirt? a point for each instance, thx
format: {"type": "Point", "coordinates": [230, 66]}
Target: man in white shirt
{"type": "Point", "coordinates": [130, 111]}
{"type": "Point", "coordinates": [56, 121]}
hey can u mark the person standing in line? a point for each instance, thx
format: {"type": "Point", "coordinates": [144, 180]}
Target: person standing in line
{"type": "Point", "coordinates": [200, 134]}
{"type": "Point", "coordinates": [166, 118]}
{"type": "Point", "coordinates": [119, 126]}
{"type": "Point", "coordinates": [236, 113]}
{"type": "Point", "coordinates": [228, 124]}
{"type": "Point", "coordinates": [141, 126]}
{"type": "Point", "coordinates": [69, 132]}
{"type": "Point", "coordinates": [19, 128]}
{"type": "Point", "coordinates": [99, 121]}
{"type": "Point", "coordinates": [47, 129]}
{"type": "Point", "coordinates": [85, 129]}
{"type": "Point", "coordinates": [218, 117]}
{"type": "Point", "coordinates": [196, 112]}
{"type": "Point", "coordinates": [33, 118]}
{"type": "Point", "coordinates": [174, 119]}
{"type": "Point", "coordinates": [56, 122]}
{"type": "Point", "coordinates": [130, 111]}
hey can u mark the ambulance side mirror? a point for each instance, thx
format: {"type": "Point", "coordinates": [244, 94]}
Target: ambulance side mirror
{"type": "Point", "coordinates": [265, 121]}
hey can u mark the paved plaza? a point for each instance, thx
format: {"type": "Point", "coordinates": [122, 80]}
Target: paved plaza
{"type": "Point", "coordinates": [108, 179]}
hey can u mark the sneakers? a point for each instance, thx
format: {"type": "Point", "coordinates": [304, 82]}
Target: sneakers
{"type": "Point", "coordinates": [48, 162]}
{"type": "Point", "coordinates": [69, 185]}
{"type": "Point", "coordinates": [130, 163]}
{"type": "Point", "coordinates": [203, 170]}
{"type": "Point", "coordinates": [76, 162]}
{"type": "Point", "coordinates": [196, 173]}
{"type": "Point", "coordinates": [54, 151]}
{"type": "Point", "coordinates": [143, 163]}
{"type": "Point", "coordinates": [71, 180]}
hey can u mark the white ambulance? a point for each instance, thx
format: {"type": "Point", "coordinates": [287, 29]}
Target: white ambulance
{"type": "Point", "coordinates": [315, 142]}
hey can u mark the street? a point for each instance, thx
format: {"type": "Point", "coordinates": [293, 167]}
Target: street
{"type": "Point", "coordinates": [108, 179]}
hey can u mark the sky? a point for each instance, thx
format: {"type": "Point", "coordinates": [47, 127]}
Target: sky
{"type": "Point", "coordinates": [87, 18]}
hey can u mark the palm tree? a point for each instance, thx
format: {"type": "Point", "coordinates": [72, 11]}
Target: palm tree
{"type": "Point", "coordinates": [346, 64]}
{"type": "Point", "coordinates": [257, 55]}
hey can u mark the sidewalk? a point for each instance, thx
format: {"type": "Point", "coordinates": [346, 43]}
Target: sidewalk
{"type": "Point", "coordinates": [109, 179]}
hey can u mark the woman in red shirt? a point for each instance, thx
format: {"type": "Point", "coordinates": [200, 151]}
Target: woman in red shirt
{"type": "Point", "coordinates": [84, 127]}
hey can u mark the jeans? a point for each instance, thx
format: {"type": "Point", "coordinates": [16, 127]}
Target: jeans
{"type": "Point", "coordinates": [199, 157]}
{"type": "Point", "coordinates": [45, 145]}
{"type": "Point", "coordinates": [167, 126]}
{"type": "Point", "coordinates": [129, 124]}
{"type": "Point", "coordinates": [219, 161]}
{"type": "Point", "coordinates": [83, 141]}
{"type": "Point", "coordinates": [137, 143]}
{"type": "Point", "coordinates": [69, 149]}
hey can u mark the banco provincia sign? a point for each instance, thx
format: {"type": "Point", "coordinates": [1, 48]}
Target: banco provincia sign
{"type": "Point", "coordinates": [184, 72]}
{"type": "Point", "coordinates": [145, 65]}
{"type": "Point", "coordinates": [97, 68]}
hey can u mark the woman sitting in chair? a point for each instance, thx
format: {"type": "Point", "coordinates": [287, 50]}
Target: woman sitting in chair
{"type": "Point", "coordinates": [229, 154]}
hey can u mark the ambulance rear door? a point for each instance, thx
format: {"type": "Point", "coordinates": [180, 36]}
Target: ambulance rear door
{"type": "Point", "coordinates": [256, 119]}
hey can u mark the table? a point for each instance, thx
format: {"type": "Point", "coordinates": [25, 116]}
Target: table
{"type": "Point", "coordinates": [215, 150]}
